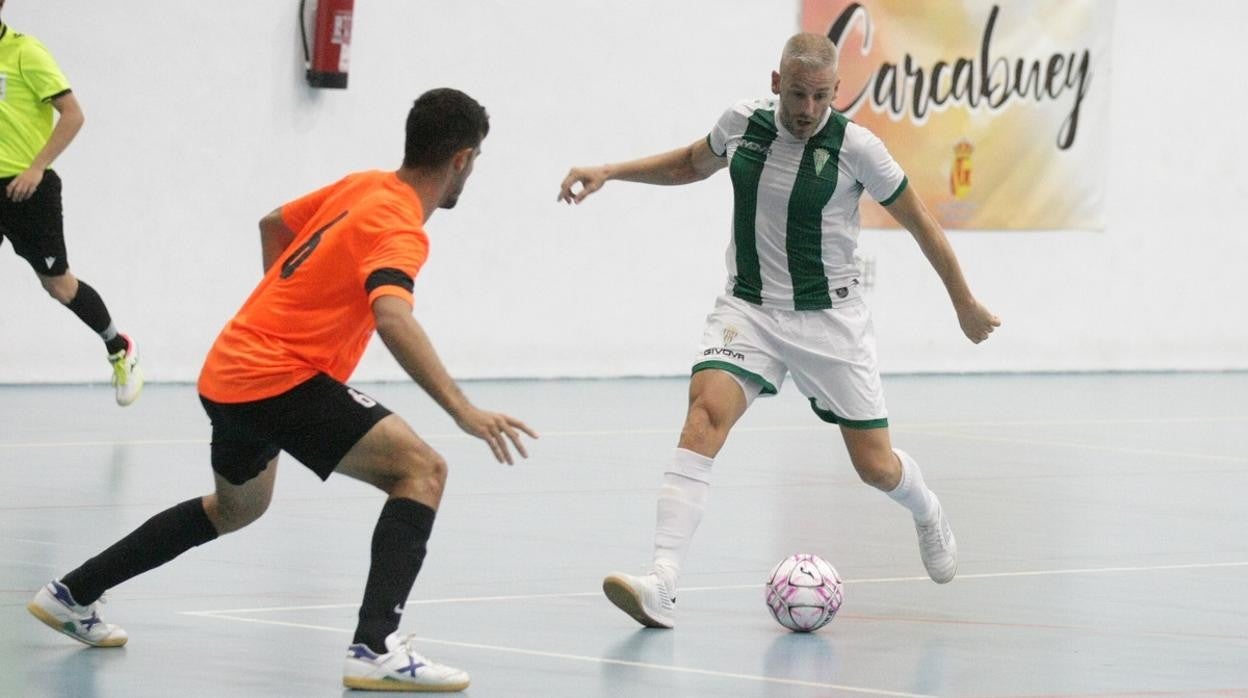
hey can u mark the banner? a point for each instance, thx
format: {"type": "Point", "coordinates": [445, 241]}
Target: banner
{"type": "Point", "coordinates": [997, 111]}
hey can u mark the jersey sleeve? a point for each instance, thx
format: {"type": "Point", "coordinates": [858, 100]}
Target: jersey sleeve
{"type": "Point", "coordinates": [41, 72]}
{"type": "Point", "coordinates": [297, 213]}
{"type": "Point", "coordinates": [391, 265]}
{"type": "Point", "coordinates": [731, 123]}
{"type": "Point", "coordinates": [880, 175]}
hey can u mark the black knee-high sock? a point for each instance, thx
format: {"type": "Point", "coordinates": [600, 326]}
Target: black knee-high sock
{"type": "Point", "coordinates": [89, 307]}
{"type": "Point", "coordinates": [160, 539]}
{"type": "Point", "coordinates": [398, 552]}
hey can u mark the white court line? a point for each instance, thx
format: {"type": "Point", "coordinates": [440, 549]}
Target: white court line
{"type": "Point", "coordinates": [28, 563]}
{"type": "Point", "coordinates": [600, 660]}
{"type": "Point", "coordinates": [912, 427]}
{"type": "Point", "coordinates": [129, 442]}
{"type": "Point", "coordinates": [1078, 422]}
{"type": "Point", "coordinates": [733, 587]}
{"type": "Point", "coordinates": [1082, 445]}
{"type": "Point", "coordinates": [231, 614]}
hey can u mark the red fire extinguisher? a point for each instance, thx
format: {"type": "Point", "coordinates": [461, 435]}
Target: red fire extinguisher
{"type": "Point", "coordinates": [328, 56]}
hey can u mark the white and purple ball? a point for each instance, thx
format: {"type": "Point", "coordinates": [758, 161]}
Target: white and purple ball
{"type": "Point", "coordinates": [803, 592]}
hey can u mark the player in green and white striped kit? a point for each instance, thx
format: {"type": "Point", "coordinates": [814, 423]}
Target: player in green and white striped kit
{"type": "Point", "coordinates": [792, 305]}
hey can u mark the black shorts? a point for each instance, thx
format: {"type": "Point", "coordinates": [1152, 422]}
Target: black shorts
{"type": "Point", "coordinates": [35, 226]}
{"type": "Point", "coordinates": [316, 422]}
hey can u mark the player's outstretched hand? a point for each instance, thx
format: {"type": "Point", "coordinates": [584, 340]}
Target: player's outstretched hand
{"type": "Point", "coordinates": [492, 427]}
{"type": "Point", "coordinates": [977, 321]}
{"type": "Point", "coordinates": [591, 180]}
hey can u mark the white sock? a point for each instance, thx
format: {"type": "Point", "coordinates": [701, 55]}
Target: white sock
{"type": "Point", "coordinates": [682, 500]}
{"type": "Point", "coordinates": [911, 492]}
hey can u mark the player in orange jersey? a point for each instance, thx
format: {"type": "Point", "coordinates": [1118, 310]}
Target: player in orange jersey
{"type": "Point", "coordinates": [339, 262]}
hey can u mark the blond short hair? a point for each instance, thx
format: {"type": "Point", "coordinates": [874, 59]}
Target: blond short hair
{"type": "Point", "coordinates": [808, 51]}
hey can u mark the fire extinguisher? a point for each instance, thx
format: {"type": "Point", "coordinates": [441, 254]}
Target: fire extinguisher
{"type": "Point", "coordinates": [328, 56]}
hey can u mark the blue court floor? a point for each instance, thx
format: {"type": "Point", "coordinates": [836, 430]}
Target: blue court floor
{"type": "Point", "coordinates": [1102, 522]}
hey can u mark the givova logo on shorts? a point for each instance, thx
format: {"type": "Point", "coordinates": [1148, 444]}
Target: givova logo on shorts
{"type": "Point", "coordinates": [724, 351]}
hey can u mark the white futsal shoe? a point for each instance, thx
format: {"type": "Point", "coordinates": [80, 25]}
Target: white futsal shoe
{"type": "Point", "coordinates": [401, 668]}
{"type": "Point", "coordinates": [938, 547]}
{"type": "Point", "coordinates": [55, 606]}
{"type": "Point", "coordinates": [649, 599]}
{"type": "Point", "coordinates": [127, 376]}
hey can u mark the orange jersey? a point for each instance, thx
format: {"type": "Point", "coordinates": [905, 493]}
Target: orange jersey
{"type": "Point", "coordinates": [355, 240]}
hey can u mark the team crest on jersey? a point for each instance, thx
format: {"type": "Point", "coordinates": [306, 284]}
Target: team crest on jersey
{"type": "Point", "coordinates": [4, 80]}
{"type": "Point", "coordinates": [821, 158]}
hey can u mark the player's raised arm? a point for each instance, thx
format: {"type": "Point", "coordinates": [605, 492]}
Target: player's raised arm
{"type": "Point", "coordinates": [691, 163]}
{"type": "Point", "coordinates": [977, 322]}
{"type": "Point", "coordinates": [409, 344]}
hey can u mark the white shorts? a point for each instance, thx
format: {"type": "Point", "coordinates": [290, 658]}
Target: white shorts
{"type": "Point", "coordinates": [830, 354]}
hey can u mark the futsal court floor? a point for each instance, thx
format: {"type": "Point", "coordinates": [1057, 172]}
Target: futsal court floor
{"type": "Point", "coordinates": [1101, 519]}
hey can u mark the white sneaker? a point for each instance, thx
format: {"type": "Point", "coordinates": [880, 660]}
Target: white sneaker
{"type": "Point", "coordinates": [649, 599]}
{"type": "Point", "coordinates": [938, 547]}
{"type": "Point", "coordinates": [55, 606]}
{"type": "Point", "coordinates": [127, 376]}
{"type": "Point", "coordinates": [399, 669]}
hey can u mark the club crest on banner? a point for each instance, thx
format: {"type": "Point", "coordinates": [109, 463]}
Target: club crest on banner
{"type": "Point", "coordinates": [960, 174]}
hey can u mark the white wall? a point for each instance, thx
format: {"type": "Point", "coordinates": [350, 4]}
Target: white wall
{"type": "Point", "coordinates": [198, 123]}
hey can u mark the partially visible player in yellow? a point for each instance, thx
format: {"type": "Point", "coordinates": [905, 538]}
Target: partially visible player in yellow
{"type": "Point", "coordinates": [339, 262]}
{"type": "Point", "coordinates": [31, 88]}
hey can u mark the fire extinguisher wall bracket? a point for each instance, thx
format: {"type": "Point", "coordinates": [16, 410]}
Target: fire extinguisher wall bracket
{"type": "Point", "coordinates": [327, 54]}
{"type": "Point", "coordinates": [332, 80]}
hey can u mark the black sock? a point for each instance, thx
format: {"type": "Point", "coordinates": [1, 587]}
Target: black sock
{"type": "Point", "coordinates": [398, 552]}
{"type": "Point", "coordinates": [90, 308]}
{"type": "Point", "coordinates": [160, 539]}
{"type": "Point", "coordinates": [115, 345]}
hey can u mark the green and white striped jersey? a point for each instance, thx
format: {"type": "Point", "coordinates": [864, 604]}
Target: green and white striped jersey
{"type": "Point", "coordinates": [795, 203]}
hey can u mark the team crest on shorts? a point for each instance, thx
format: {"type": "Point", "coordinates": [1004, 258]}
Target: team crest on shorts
{"type": "Point", "coordinates": [730, 333]}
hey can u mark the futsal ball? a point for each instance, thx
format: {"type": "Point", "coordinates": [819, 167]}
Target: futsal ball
{"type": "Point", "coordinates": [803, 592]}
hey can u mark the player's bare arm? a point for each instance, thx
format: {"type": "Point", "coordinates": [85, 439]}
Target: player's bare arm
{"type": "Point", "coordinates": [977, 322]}
{"type": "Point", "coordinates": [275, 237]}
{"type": "Point", "coordinates": [410, 346]}
{"type": "Point", "coordinates": [69, 121]}
{"type": "Point", "coordinates": [692, 163]}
